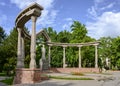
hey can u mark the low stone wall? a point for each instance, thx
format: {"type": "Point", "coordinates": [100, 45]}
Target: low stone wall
{"type": "Point", "coordinates": [27, 76]}
{"type": "Point", "coordinates": [70, 70]}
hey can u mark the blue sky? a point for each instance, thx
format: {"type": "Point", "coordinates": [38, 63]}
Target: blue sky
{"type": "Point", "coordinates": [101, 17]}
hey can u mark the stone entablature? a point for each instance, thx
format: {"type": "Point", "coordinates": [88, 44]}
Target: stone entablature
{"type": "Point", "coordinates": [73, 44]}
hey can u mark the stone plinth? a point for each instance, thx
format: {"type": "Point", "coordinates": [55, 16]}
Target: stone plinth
{"type": "Point", "coordinates": [27, 76]}
{"type": "Point", "coordinates": [45, 65]}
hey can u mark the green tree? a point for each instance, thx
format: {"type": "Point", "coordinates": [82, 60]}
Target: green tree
{"type": "Point", "coordinates": [79, 32]}
{"type": "Point", "coordinates": [52, 33]}
{"type": "Point", "coordinates": [105, 49]}
{"type": "Point", "coordinates": [115, 58]}
{"type": "Point", "coordinates": [9, 50]}
{"type": "Point", "coordinates": [2, 35]}
{"type": "Point", "coordinates": [64, 36]}
{"type": "Point", "coordinates": [2, 52]}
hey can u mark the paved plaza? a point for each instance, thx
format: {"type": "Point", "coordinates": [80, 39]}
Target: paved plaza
{"type": "Point", "coordinates": [108, 79]}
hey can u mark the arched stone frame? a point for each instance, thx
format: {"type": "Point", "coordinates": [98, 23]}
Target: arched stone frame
{"type": "Point", "coordinates": [44, 33]}
{"type": "Point", "coordinates": [47, 38]}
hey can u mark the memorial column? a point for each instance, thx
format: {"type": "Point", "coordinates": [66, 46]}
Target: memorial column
{"type": "Point", "coordinates": [96, 57]}
{"type": "Point", "coordinates": [49, 54]}
{"type": "Point", "coordinates": [64, 56]}
{"type": "Point", "coordinates": [23, 51]}
{"type": "Point", "coordinates": [33, 43]}
{"type": "Point", "coordinates": [79, 56]}
{"type": "Point", "coordinates": [19, 51]}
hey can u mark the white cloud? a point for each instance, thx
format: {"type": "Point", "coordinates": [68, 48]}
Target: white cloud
{"type": "Point", "coordinates": [2, 4]}
{"type": "Point", "coordinates": [108, 24]}
{"type": "Point", "coordinates": [47, 18]}
{"type": "Point", "coordinates": [48, 14]}
{"type": "Point", "coordinates": [92, 11]}
{"type": "Point", "coordinates": [68, 23]}
{"type": "Point", "coordinates": [105, 22]}
{"type": "Point", "coordinates": [23, 3]}
{"type": "Point", "coordinates": [108, 6]}
{"type": "Point", "coordinates": [68, 19]}
{"type": "Point", "coordinates": [99, 7]}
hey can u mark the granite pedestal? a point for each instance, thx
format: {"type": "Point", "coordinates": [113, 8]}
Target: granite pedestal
{"type": "Point", "coordinates": [27, 76]}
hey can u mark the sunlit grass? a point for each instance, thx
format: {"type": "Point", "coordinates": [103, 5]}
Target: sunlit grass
{"type": "Point", "coordinates": [77, 73]}
{"type": "Point", "coordinates": [2, 74]}
{"type": "Point", "coordinates": [69, 78]}
{"type": "Point", "coordinates": [7, 81]}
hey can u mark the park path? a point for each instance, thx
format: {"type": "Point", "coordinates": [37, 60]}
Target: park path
{"type": "Point", "coordinates": [2, 84]}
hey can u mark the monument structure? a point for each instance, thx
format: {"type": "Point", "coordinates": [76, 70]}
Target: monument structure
{"type": "Point", "coordinates": [32, 74]}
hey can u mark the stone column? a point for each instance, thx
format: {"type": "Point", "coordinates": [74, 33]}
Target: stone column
{"type": "Point", "coordinates": [23, 51]}
{"type": "Point", "coordinates": [33, 43]}
{"type": "Point", "coordinates": [64, 56]}
{"type": "Point", "coordinates": [96, 57]}
{"type": "Point", "coordinates": [19, 51]}
{"type": "Point", "coordinates": [79, 56]}
{"type": "Point", "coordinates": [49, 54]}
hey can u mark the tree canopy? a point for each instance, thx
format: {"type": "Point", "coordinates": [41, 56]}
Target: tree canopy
{"type": "Point", "coordinates": [108, 48]}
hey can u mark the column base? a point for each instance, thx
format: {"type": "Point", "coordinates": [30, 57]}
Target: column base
{"type": "Point", "coordinates": [27, 76]}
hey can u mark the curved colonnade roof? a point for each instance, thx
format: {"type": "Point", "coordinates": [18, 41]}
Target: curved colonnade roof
{"type": "Point", "coordinates": [25, 15]}
{"type": "Point", "coordinates": [73, 44]}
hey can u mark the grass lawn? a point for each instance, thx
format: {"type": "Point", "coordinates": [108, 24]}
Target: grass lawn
{"type": "Point", "coordinates": [69, 78]}
{"type": "Point", "coordinates": [2, 74]}
{"type": "Point", "coordinates": [7, 81]}
{"type": "Point", "coordinates": [77, 73]}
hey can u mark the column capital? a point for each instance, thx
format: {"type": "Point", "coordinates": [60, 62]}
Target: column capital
{"type": "Point", "coordinates": [79, 46]}
{"type": "Point", "coordinates": [18, 29]}
{"type": "Point", "coordinates": [64, 46]}
{"type": "Point", "coordinates": [33, 18]}
{"type": "Point", "coordinates": [96, 44]}
{"type": "Point", "coordinates": [50, 45]}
